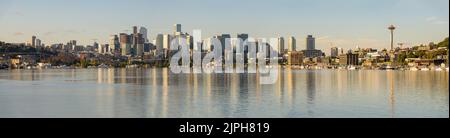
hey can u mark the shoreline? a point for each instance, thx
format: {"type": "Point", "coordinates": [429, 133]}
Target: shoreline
{"type": "Point", "coordinates": [349, 68]}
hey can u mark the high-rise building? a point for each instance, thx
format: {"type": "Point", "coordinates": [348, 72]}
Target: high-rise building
{"type": "Point", "coordinates": [135, 30]}
{"type": "Point", "coordinates": [311, 51]}
{"type": "Point", "coordinates": [225, 39]}
{"type": "Point", "coordinates": [114, 44]}
{"type": "Point", "coordinates": [95, 45]}
{"type": "Point", "coordinates": [349, 59]}
{"type": "Point", "coordinates": [334, 52]}
{"type": "Point", "coordinates": [33, 41]}
{"type": "Point", "coordinates": [144, 33]}
{"type": "Point", "coordinates": [206, 44]}
{"type": "Point", "coordinates": [280, 48]}
{"type": "Point", "coordinates": [310, 43]}
{"type": "Point", "coordinates": [243, 38]}
{"type": "Point", "coordinates": [103, 49]}
{"type": "Point", "coordinates": [177, 29]}
{"type": "Point", "coordinates": [72, 44]}
{"type": "Point", "coordinates": [159, 42]}
{"type": "Point", "coordinates": [292, 44]}
{"type": "Point", "coordinates": [341, 51]}
{"type": "Point", "coordinates": [139, 51]}
{"type": "Point", "coordinates": [166, 41]}
{"type": "Point", "coordinates": [189, 41]}
{"type": "Point", "coordinates": [125, 44]}
{"type": "Point", "coordinates": [38, 43]}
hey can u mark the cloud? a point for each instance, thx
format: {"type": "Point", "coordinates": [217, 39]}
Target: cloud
{"type": "Point", "coordinates": [18, 33]}
{"type": "Point", "coordinates": [323, 38]}
{"type": "Point", "coordinates": [18, 13]}
{"type": "Point", "coordinates": [72, 31]}
{"type": "Point", "coordinates": [436, 20]}
{"type": "Point", "coordinates": [48, 33]}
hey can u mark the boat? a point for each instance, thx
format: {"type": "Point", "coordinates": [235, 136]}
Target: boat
{"type": "Point", "coordinates": [424, 69]}
{"type": "Point", "coordinates": [389, 68]}
{"type": "Point", "coordinates": [413, 69]}
{"type": "Point", "coordinates": [352, 68]}
{"type": "Point", "coordinates": [438, 69]}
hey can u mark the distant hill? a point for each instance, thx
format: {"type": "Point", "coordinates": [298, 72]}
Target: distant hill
{"type": "Point", "coordinates": [443, 43]}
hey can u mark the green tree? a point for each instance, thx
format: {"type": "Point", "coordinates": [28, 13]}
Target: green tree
{"type": "Point", "coordinates": [443, 43]}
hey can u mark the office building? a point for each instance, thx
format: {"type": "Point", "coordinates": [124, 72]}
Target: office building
{"type": "Point", "coordinates": [310, 43]}
{"type": "Point", "coordinates": [125, 44]}
{"type": "Point", "coordinates": [144, 33]}
{"type": "Point", "coordinates": [292, 44]}
{"type": "Point", "coordinates": [33, 41]}
{"type": "Point", "coordinates": [103, 49]}
{"type": "Point", "coordinates": [334, 52]}
{"type": "Point", "coordinates": [177, 29]}
{"type": "Point", "coordinates": [166, 41]}
{"type": "Point", "coordinates": [139, 50]}
{"type": "Point", "coordinates": [159, 41]}
{"type": "Point", "coordinates": [295, 58]}
{"type": "Point", "coordinates": [281, 48]}
{"type": "Point", "coordinates": [38, 43]}
{"type": "Point", "coordinates": [349, 59]}
{"type": "Point", "coordinates": [114, 44]}
{"type": "Point", "coordinates": [242, 38]}
{"type": "Point", "coordinates": [311, 51]}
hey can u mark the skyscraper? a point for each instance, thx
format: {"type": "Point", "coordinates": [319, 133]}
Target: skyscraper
{"type": "Point", "coordinates": [139, 51]}
{"type": "Point", "coordinates": [292, 44]}
{"type": "Point", "coordinates": [310, 43]}
{"type": "Point", "coordinates": [334, 52]}
{"type": "Point", "coordinates": [177, 29]}
{"type": "Point", "coordinates": [135, 31]}
{"type": "Point", "coordinates": [33, 41]}
{"type": "Point", "coordinates": [225, 39]}
{"type": "Point", "coordinates": [125, 44]}
{"type": "Point", "coordinates": [144, 33]}
{"type": "Point", "coordinates": [159, 42]}
{"type": "Point", "coordinates": [72, 44]}
{"type": "Point", "coordinates": [103, 49]}
{"type": "Point", "coordinates": [95, 45]}
{"type": "Point", "coordinates": [166, 41]}
{"type": "Point", "coordinates": [189, 41]}
{"type": "Point", "coordinates": [280, 48]}
{"type": "Point", "coordinates": [207, 44]}
{"type": "Point", "coordinates": [311, 51]}
{"type": "Point", "coordinates": [243, 38]}
{"type": "Point", "coordinates": [37, 43]}
{"type": "Point", "coordinates": [114, 44]}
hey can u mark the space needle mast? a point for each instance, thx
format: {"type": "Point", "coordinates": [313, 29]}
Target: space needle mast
{"type": "Point", "coordinates": [392, 28]}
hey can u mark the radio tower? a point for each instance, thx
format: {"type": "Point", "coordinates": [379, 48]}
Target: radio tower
{"type": "Point", "coordinates": [392, 28]}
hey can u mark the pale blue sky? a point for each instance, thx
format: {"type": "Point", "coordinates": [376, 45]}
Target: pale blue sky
{"type": "Point", "coordinates": [345, 23]}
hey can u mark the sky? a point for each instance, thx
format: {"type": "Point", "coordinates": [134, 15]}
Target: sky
{"type": "Point", "coordinates": [341, 23]}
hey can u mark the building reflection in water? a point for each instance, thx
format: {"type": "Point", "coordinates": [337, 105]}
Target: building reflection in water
{"type": "Point", "coordinates": [310, 91]}
{"type": "Point", "coordinates": [390, 77]}
{"type": "Point", "coordinates": [159, 93]}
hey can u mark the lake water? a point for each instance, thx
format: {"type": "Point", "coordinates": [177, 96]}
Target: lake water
{"type": "Point", "coordinates": [158, 93]}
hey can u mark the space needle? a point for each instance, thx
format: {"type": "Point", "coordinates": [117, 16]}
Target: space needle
{"type": "Point", "coordinates": [392, 28]}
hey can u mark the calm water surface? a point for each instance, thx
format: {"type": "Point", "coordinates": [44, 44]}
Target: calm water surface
{"type": "Point", "coordinates": [159, 93]}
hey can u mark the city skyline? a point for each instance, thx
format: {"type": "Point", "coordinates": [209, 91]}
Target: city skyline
{"type": "Point", "coordinates": [344, 24]}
